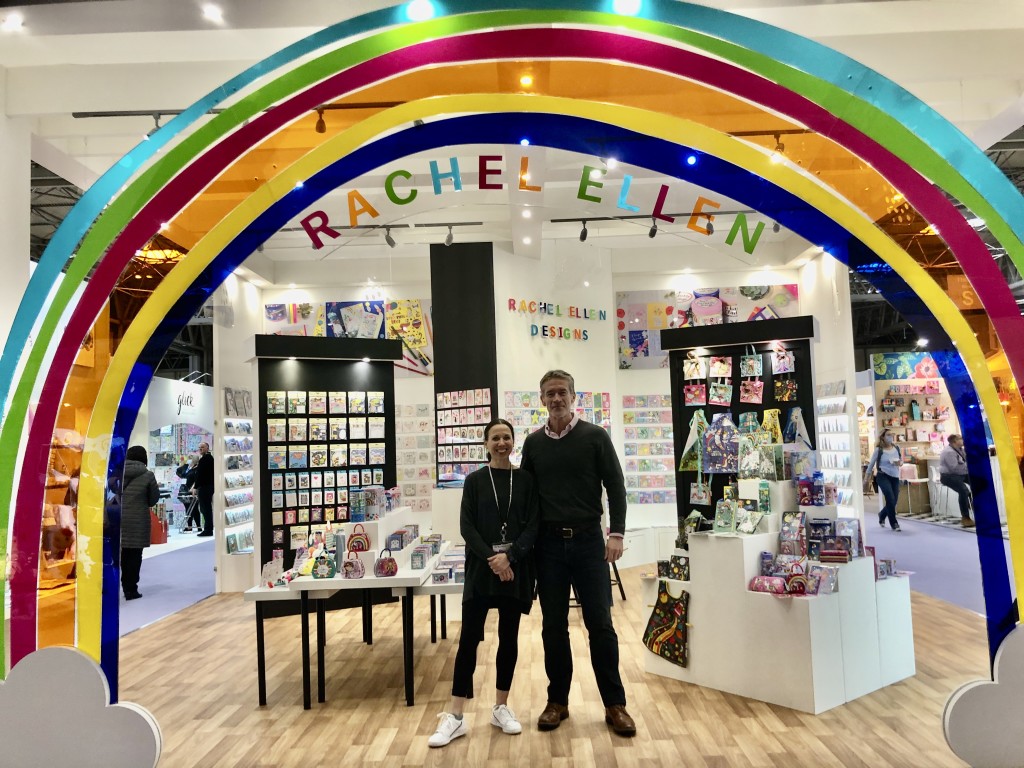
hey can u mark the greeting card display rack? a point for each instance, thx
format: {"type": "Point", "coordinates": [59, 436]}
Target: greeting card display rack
{"type": "Point", "coordinates": [417, 466]}
{"type": "Point", "coordinates": [836, 446]}
{"type": "Point", "coordinates": [918, 413]}
{"type": "Point", "coordinates": [239, 537]}
{"type": "Point", "coordinates": [527, 414]}
{"type": "Point", "coordinates": [462, 416]}
{"type": "Point", "coordinates": [649, 465]}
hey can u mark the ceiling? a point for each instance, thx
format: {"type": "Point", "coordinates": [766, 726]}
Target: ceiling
{"type": "Point", "coordinates": [139, 61]}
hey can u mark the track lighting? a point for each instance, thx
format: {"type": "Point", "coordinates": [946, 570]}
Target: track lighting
{"type": "Point", "coordinates": [710, 228]}
{"type": "Point", "coordinates": [780, 149]}
{"type": "Point", "coordinates": [653, 231]}
{"type": "Point", "coordinates": [583, 232]}
{"type": "Point", "coordinates": [776, 227]}
{"type": "Point", "coordinates": [450, 238]}
{"type": "Point", "coordinates": [388, 238]}
{"type": "Point", "coordinates": [321, 126]}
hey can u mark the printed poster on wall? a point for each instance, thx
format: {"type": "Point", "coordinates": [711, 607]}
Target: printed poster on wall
{"type": "Point", "coordinates": [642, 315]}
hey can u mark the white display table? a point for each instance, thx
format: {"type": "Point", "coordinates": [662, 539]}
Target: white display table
{"type": "Point", "coordinates": [808, 653]}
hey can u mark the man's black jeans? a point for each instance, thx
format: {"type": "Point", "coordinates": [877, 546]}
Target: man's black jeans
{"type": "Point", "coordinates": [577, 562]}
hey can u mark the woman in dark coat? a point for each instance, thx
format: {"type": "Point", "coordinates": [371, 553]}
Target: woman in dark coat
{"type": "Point", "coordinates": [499, 521]}
{"type": "Point", "coordinates": [139, 492]}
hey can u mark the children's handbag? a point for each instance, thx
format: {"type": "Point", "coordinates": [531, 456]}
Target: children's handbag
{"type": "Point", "coordinates": [352, 567]}
{"type": "Point", "coordinates": [358, 540]}
{"type": "Point", "coordinates": [385, 564]}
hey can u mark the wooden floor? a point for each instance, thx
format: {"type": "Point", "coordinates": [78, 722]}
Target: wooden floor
{"type": "Point", "coordinates": [196, 672]}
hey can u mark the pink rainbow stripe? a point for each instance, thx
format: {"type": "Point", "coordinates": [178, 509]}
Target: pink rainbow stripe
{"type": "Point", "coordinates": [507, 44]}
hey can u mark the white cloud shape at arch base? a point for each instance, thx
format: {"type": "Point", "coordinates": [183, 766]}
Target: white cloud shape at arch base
{"type": "Point", "coordinates": [55, 708]}
{"type": "Point", "coordinates": [982, 720]}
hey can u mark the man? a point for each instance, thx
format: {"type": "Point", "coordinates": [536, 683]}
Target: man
{"type": "Point", "coordinates": [204, 488]}
{"type": "Point", "coordinates": [571, 459]}
{"type": "Point", "coordinates": [953, 474]}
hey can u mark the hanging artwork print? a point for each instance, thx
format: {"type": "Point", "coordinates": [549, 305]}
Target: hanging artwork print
{"type": "Point", "coordinates": [752, 392]}
{"type": "Point", "coordinates": [720, 394]}
{"type": "Point", "coordinates": [695, 394]}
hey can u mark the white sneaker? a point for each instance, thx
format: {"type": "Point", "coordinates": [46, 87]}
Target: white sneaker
{"type": "Point", "coordinates": [449, 728]}
{"type": "Point", "coordinates": [505, 718]}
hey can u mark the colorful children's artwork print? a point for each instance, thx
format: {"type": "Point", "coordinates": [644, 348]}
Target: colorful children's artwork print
{"type": "Point", "coordinates": [782, 361]}
{"type": "Point", "coordinates": [695, 368]}
{"type": "Point", "coordinates": [720, 367]}
{"type": "Point", "coordinates": [695, 394]}
{"type": "Point", "coordinates": [720, 394]}
{"type": "Point", "coordinates": [752, 392]}
{"type": "Point", "coordinates": [750, 365]}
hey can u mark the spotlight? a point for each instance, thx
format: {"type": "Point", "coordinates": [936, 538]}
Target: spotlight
{"type": "Point", "coordinates": [710, 228]}
{"type": "Point", "coordinates": [922, 342]}
{"type": "Point", "coordinates": [388, 238]}
{"type": "Point", "coordinates": [583, 232]}
{"type": "Point", "coordinates": [776, 227]}
{"type": "Point", "coordinates": [691, 159]}
{"type": "Point", "coordinates": [321, 126]}
{"type": "Point", "coordinates": [780, 150]}
{"type": "Point", "coordinates": [653, 231]}
{"type": "Point", "coordinates": [450, 238]}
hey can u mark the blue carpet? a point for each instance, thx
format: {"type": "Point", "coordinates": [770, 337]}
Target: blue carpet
{"type": "Point", "coordinates": [169, 583]}
{"type": "Point", "coordinates": [944, 560]}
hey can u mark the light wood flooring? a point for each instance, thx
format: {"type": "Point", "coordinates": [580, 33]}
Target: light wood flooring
{"type": "Point", "coordinates": [196, 672]}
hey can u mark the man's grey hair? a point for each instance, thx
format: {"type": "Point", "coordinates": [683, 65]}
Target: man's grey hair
{"type": "Point", "coordinates": [558, 374]}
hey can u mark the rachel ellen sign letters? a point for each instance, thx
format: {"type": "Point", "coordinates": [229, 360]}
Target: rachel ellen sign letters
{"type": "Point", "coordinates": [557, 311]}
{"type": "Point", "coordinates": [490, 170]}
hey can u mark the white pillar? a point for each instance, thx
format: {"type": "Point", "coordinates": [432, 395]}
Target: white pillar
{"type": "Point", "coordinates": [15, 186]}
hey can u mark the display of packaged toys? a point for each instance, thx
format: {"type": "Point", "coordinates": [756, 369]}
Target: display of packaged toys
{"type": "Point", "coordinates": [833, 555]}
{"type": "Point", "coordinates": [767, 559]}
{"type": "Point", "coordinates": [849, 527]}
{"type": "Point", "coordinates": [826, 578]}
{"type": "Point", "coordinates": [764, 498]}
{"type": "Point", "coordinates": [791, 534]}
{"type": "Point", "coordinates": [831, 493]}
{"type": "Point", "coordinates": [818, 489]}
{"type": "Point", "coordinates": [786, 565]}
{"type": "Point", "coordinates": [748, 516]}
{"type": "Point", "coordinates": [725, 516]}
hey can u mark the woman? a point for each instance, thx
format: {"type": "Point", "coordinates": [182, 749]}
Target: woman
{"type": "Point", "coordinates": [499, 520]}
{"type": "Point", "coordinates": [139, 492]}
{"type": "Point", "coordinates": [887, 459]}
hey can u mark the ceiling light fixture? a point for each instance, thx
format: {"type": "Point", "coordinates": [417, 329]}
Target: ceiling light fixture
{"type": "Point", "coordinates": [526, 81]}
{"type": "Point", "coordinates": [710, 227]}
{"type": "Point", "coordinates": [13, 22]}
{"type": "Point", "coordinates": [321, 126]}
{"type": "Point", "coordinates": [420, 10]}
{"type": "Point", "coordinates": [583, 232]}
{"type": "Point", "coordinates": [780, 150]}
{"type": "Point", "coordinates": [213, 13]}
{"type": "Point", "coordinates": [388, 238]}
{"type": "Point", "coordinates": [776, 227]}
{"type": "Point", "coordinates": [450, 237]}
{"type": "Point", "coordinates": [653, 231]}
{"type": "Point", "coordinates": [524, 142]}
{"type": "Point", "coordinates": [527, 213]}
{"type": "Point", "coordinates": [627, 7]}
{"type": "Point", "coordinates": [922, 342]}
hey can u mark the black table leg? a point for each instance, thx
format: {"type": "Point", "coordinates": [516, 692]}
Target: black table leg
{"type": "Point", "coordinates": [407, 643]}
{"type": "Point", "coordinates": [444, 617]}
{"type": "Point", "coordinates": [304, 611]}
{"type": "Point", "coordinates": [368, 607]}
{"type": "Point", "coordinates": [321, 637]}
{"type": "Point", "coordinates": [261, 656]}
{"type": "Point", "coordinates": [433, 618]}
{"type": "Point", "coordinates": [366, 616]}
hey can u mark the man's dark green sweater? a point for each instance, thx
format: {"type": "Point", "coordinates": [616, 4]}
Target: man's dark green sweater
{"type": "Point", "coordinates": [569, 473]}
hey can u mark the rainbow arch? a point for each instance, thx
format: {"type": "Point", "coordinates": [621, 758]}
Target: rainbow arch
{"type": "Point", "coordinates": [735, 37]}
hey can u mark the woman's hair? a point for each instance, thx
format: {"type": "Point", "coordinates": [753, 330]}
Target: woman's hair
{"type": "Point", "coordinates": [492, 425]}
{"type": "Point", "coordinates": [137, 453]}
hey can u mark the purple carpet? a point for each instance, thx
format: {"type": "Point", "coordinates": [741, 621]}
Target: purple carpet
{"type": "Point", "coordinates": [169, 583]}
{"type": "Point", "coordinates": [944, 560]}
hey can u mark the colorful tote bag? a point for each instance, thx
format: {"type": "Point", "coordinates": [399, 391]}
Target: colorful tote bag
{"type": "Point", "coordinates": [666, 633]}
{"type": "Point", "coordinates": [770, 424]}
{"type": "Point", "coordinates": [752, 392]}
{"type": "Point", "coordinates": [721, 450]}
{"type": "Point", "coordinates": [796, 429]}
{"type": "Point", "coordinates": [691, 460]}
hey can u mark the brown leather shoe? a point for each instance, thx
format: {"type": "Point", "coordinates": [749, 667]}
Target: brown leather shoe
{"type": "Point", "coordinates": [552, 716]}
{"type": "Point", "coordinates": [619, 720]}
{"type": "Point", "coordinates": [966, 522]}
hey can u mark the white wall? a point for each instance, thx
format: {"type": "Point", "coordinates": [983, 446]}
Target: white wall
{"type": "Point", "coordinates": [15, 181]}
{"type": "Point", "coordinates": [238, 314]}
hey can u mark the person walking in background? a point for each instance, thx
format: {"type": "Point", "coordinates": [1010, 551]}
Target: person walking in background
{"type": "Point", "coordinates": [499, 519]}
{"type": "Point", "coordinates": [139, 492]}
{"type": "Point", "coordinates": [204, 488]}
{"type": "Point", "coordinates": [571, 459]}
{"type": "Point", "coordinates": [886, 459]}
{"type": "Point", "coordinates": [953, 474]}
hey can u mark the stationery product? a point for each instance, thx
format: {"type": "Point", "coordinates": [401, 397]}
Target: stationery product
{"type": "Point", "coordinates": [352, 567]}
{"type": "Point", "coordinates": [666, 631]}
{"type": "Point", "coordinates": [725, 516]}
{"type": "Point", "coordinates": [385, 565]}
{"type": "Point", "coordinates": [775, 585]}
{"type": "Point", "coordinates": [358, 540]}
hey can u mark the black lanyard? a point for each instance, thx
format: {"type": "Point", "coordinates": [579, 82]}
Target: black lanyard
{"type": "Point", "coordinates": [504, 523]}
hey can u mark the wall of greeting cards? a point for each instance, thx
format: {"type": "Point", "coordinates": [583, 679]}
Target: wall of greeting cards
{"type": "Point", "coordinates": [462, 415]}
{"type": "Point", "coordinates": [237, 458]}
{"type": "Point", "coordinates": [320, 443]}
{"type": "Point", "coordinates": [527, 414]}
{"type": "Point", "coordinates": [648, 448]}
{"type": "Point", "coordinates": [417, 466]}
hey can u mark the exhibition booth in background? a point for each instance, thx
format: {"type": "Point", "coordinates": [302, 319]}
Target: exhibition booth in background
{"type": "Point", "coordinates": [564, 304]}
